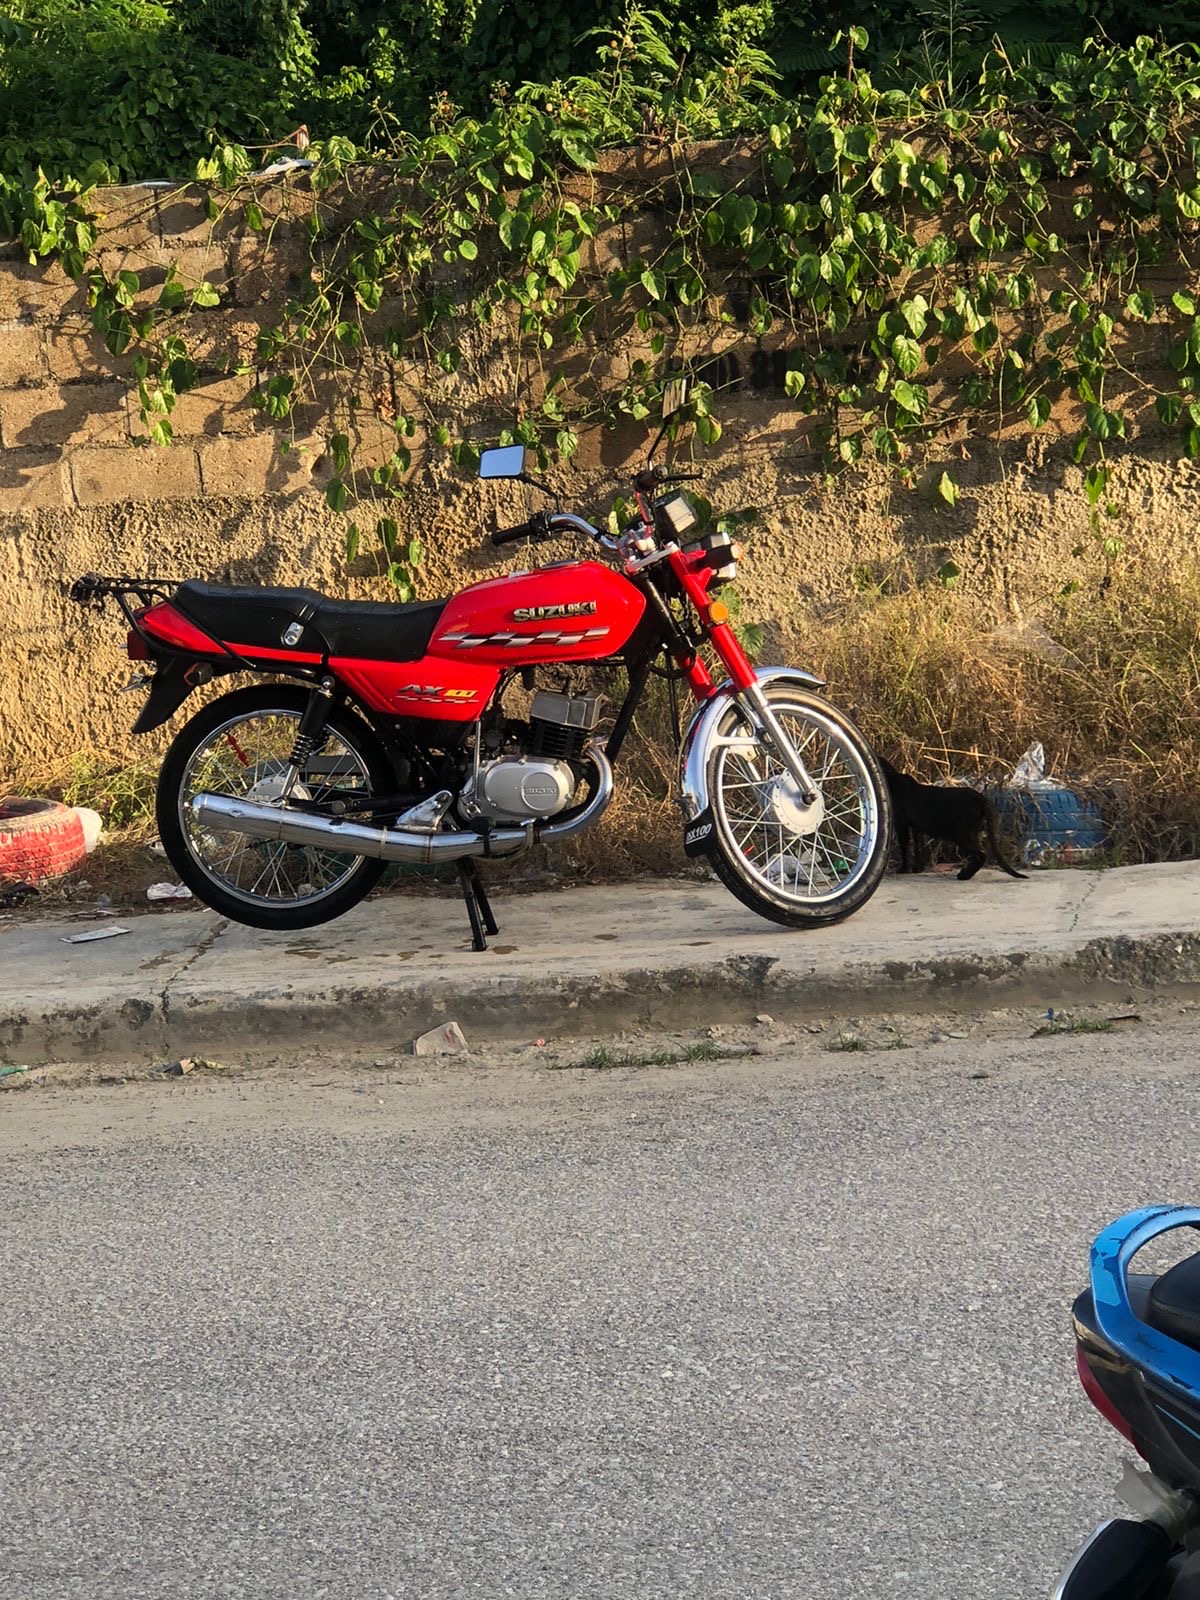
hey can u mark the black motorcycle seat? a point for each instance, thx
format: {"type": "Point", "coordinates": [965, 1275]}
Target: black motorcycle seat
{"type": "Point", "coordinates": [1174, 1307]}
{"type": "Point", "coordinates": [261, 618]}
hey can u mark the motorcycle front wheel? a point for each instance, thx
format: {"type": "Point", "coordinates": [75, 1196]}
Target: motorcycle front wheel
{"type": "Point", "coordinates": [805, 866]}
{"type": "Point", "coordinates": [241, 746]}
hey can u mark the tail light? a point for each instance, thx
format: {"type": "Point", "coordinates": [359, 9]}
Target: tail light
{"type": "Point", "coordinates": [135, 646]}
{"type": "Point", "coordinates": [1096, 1394]}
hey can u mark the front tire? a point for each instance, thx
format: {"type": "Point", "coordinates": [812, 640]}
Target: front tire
{"type": "Point", "coordinates": [241, 745]}
{"type": "Point", "coordinates": [803, 867]}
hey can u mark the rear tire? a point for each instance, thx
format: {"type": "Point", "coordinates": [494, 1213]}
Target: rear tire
{"type": "Point", "coordinates": [239, 745]}
{"type": "Point", "coordinates": [801, 876]}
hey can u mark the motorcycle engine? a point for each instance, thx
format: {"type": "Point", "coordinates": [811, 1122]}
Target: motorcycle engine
{"type": "Point", "coordinates": [540, 781]}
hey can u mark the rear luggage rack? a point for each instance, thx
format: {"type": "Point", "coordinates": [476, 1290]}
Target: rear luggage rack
{"type": "Point", "coordinates": [92, 590]}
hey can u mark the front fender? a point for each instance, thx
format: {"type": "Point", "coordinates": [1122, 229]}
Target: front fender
{"type": "Point", "coordinates": [711, 722]}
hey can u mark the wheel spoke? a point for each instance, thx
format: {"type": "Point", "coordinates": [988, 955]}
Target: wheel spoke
{"type": "Point", "coordinates": [755, 804]}
{"type": "Point", "coordinates": [250, 758]}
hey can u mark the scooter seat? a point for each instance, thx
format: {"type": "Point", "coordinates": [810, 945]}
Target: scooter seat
{"type": "Point", "coordinates": [1174, 1307]}
{"type": "Point", "coordinates": [308, 622]}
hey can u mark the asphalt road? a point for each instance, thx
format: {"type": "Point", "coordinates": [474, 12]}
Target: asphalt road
{"type": "Point", "coordinates": [790, 1328]}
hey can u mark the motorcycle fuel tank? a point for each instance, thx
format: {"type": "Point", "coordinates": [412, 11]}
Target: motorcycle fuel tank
{"type": "Point", "coordinates": [575, 611]}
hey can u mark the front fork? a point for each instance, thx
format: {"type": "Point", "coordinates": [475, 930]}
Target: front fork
{"type": "Point", "coordinates": [744, 680]}
{"type": "Point", "coordinates": [716, 723]}
{"type": "Point", "coordinates": [758, 710]}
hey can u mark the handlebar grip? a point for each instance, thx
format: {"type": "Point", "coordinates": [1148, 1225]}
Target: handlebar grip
{"type": "Point", "coordinates": [522, 530]}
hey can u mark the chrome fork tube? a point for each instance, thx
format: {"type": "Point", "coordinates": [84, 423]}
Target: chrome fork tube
{"type": "Point", "coordinates": [755, 702]}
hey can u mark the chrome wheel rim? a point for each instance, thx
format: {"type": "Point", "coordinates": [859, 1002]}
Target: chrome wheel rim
{"type": "Point", "coordinates": [249, 757]}
{"type": "Point", "coordinates": [794, 854]}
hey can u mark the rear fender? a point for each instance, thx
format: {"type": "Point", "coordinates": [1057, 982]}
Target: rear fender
{"type": "Point", "coordinates": [715, 720]}
{"type": "Point", "coordinates": [170, 686]}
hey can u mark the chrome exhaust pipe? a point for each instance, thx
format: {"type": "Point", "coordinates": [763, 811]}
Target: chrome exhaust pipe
{"type": "Point", "coordinates": [226, 814]}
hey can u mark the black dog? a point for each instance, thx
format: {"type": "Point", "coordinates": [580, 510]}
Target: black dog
{"type": "Point", "coordinates": [961, 816]}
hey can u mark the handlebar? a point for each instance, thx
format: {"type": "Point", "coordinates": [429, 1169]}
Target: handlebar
{"type": "Point", "coordinates": [543, 525]}
{"type": "Point", "coordinates": [521, 530]}
{"type": "Point", "coordinates": [652, 477]}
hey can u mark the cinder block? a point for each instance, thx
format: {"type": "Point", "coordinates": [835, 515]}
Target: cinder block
{"type": "Point", "coordinates": [22, 357]}
{"type": "Point", "coordinates": [77, 413]}
{"type": "Point", "coordinates": [31, 480]}
{"type": "Point", "coordinates": [101, 477]}
{"type": "Point", "coordinates": [284, 202]}
{"type": "Point", "coordinates": [374, 442]}
{"type": "Point", "coordinates": [216, 407]}
{"type": "Point", "coordinates": [603, 254]}
{"type": "Point", "coordinates": [181, 213]}
{"type": "Point", "coordinates": [194, 264]}
{"type": "Point", "coordinates": [219, 338]}
{"type": "Point", "coordinates": [75, 353]}
{"type": "Point", "coordinates": [254, 466]}
{"type": "Point", "coordinates": [41, 292]}
{"type": "Point", "coordinates": [128, 215]}
{"type": "Point", "coordinates": [644, 238]}
{"type": "Point", "coordinates": [268, 270]}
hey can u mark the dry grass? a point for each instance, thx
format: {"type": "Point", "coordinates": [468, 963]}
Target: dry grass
{"type": "Point", "coordinates": [1109, 681]}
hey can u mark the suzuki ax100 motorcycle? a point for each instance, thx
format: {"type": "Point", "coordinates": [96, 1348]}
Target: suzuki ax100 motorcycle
{"type": "Point", "coordinates": [1137, 1339]}
{"type": "Point", "coordinates": [421, 733]}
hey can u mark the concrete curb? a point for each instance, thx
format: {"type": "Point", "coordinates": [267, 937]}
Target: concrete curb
{"type": "Point", "coordinates": [591, 961]}
{"type": "Point", "coordinates": [730, 991]}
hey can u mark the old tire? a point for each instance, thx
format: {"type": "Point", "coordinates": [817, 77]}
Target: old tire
{"type": "Point", "coordinates": [39, 839]}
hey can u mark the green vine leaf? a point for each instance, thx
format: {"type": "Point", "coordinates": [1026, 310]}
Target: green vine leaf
{"type": "Point", "coordinates": [654, 283]}
{"type": "Point", "coordinates": [947, 489]}
{"type": "Point", "coordinates": [907, 353]}
{"type": "Point", "coordinates": [911, 397]}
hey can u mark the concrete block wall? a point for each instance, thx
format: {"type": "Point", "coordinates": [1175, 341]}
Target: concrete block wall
{"type": "Point", "coordinates": [70, 429]}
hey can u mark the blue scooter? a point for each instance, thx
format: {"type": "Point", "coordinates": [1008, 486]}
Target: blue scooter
{"type": "Point", "coordinates": [1137, 1338]}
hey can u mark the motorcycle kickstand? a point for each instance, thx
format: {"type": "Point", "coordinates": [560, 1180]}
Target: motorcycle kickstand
{"type": "Point", "coordinates": [479, 907]}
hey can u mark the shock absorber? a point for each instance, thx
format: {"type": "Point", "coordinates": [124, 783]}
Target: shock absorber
{"type": "Point", "coordinates": [310, 734]}
{"type": "Point", "coordinates": [304, 746]}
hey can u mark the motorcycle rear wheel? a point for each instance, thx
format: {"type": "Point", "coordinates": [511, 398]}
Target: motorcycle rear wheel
{"type": "Point", "coordinates": [803, 867]}
{"type": "Point", "coordinates": [240, 745]}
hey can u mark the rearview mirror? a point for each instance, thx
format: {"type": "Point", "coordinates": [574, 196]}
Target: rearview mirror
{"type": "Point", "coordinates": [510, 461]}
{"type": "Point", "coordinates": [675, 397]}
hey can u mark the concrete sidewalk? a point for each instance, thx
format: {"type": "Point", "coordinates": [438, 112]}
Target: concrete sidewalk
{"type": "Point", "coordinates": [581, 961]}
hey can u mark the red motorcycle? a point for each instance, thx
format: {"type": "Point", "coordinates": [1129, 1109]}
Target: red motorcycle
{"type": "Point", "coordinates": [418, 733]}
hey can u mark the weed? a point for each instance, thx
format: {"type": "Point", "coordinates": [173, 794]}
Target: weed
{"type": "Point", "coordinates": [602, 1059]}
{"type": "Point", "coordinates": [848, 1042]}
{"type": "Point", "coordinates": [1107, 676]}
{"type": "Point", "coordinates": [1073, 1025]}
{"type": "Point", "coordinates": [121, 791]}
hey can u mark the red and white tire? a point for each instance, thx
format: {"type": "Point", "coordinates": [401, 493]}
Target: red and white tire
{"type": "Point", "coordinates": [39, 839]}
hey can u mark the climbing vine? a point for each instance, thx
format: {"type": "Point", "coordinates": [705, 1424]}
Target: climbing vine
{"type": "Point", "coordinates": [922, 266]}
